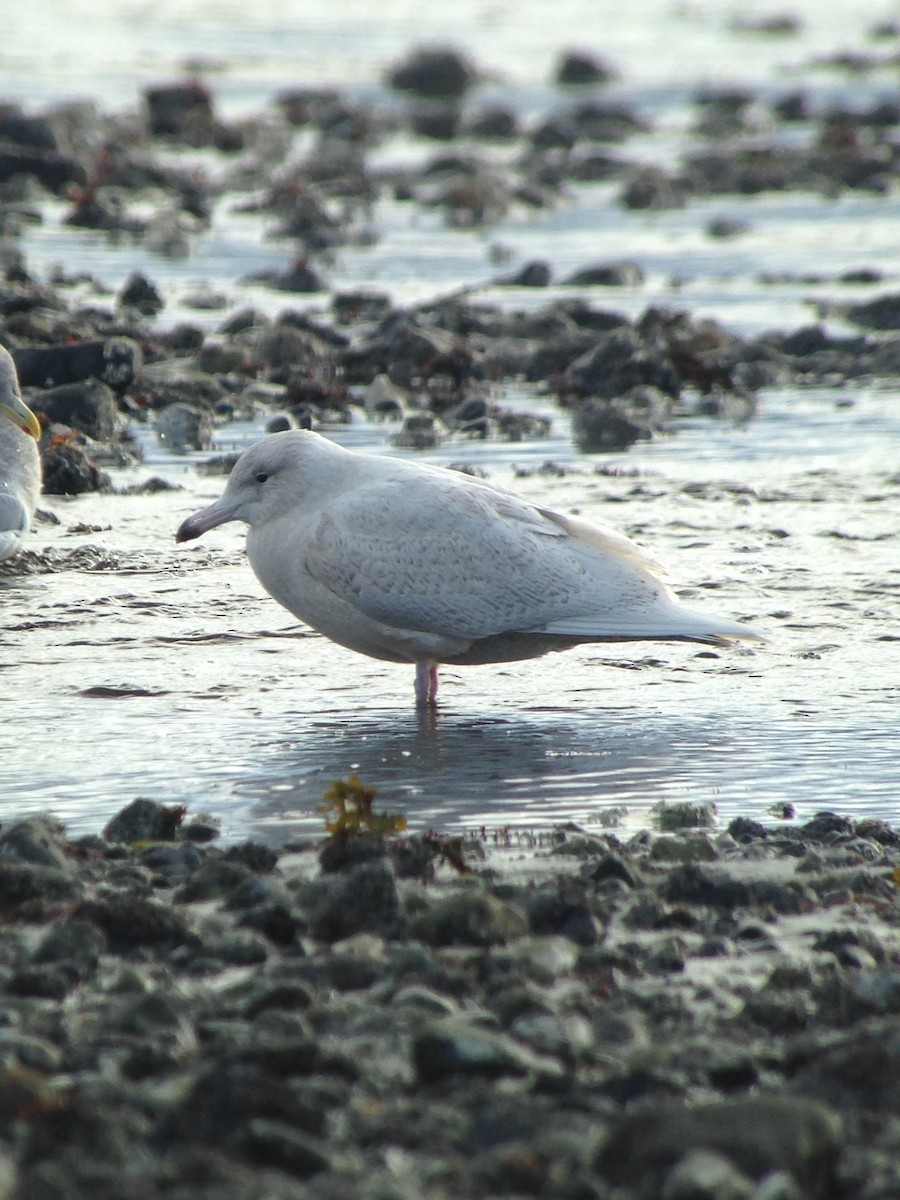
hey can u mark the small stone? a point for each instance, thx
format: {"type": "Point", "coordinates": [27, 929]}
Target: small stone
{"type": "Point", "coordinates": [456, 1046]}
{"type": "Point", "coordinates": [757, 1136]}
{"type": "Point", "coordinates": [36, 840]}
{"type": "Point", "coordinates": [705, 1175]}
{"type": "Point", "coordinates": [278, 1144]}
{"type": "Point", "coordinates": [470, 919]}
{"type": "Point", "coordinates": [144, 821]}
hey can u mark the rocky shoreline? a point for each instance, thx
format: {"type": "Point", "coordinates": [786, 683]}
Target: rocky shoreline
{"type": "Point", "coordinates": [696, 1014]}
{"type": "Point", "coordinates": [91, 362]}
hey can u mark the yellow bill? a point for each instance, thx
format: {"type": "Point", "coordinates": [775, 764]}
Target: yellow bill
{"type": "Point", "coordinates": [20, 414]}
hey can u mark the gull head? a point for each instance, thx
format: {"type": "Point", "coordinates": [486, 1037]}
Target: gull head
{"type": "Point", "coordinates": [280, 473]}
{"type": "Point", "coordinates": [12, 406]}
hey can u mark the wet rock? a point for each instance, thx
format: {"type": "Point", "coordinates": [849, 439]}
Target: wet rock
{"type": "Point", "coordinates": [35, 840]}
{"type": "Point", "coordinates": [115, 361]}
{"type": "Point", "coordinates": [130, 921]}
{"type": "Point", "coordinates": [603, 425]}
{"type": "Point", "coordinates": [24, 129]}
{"type": "Point", "coordinates": [614, 274]}
{"type": "Point", "coordinates": [361, 900]}
{"type": "Point", "coordinates": [457, 1046]}
{"type": "Point", "coordinates": [470, 919]}
{"type": "Point", "coordinates": [619, 361]}
{"type": "Point", "coordinates": [882, 313]}
{"type": "Point", "coordinates": [298, 277]}
{"type": "Point", "coordinates": [420, 431]}
{"type": "Point", "coordinates": [68, 469]}
{"type": "Point", "coordinates": [495, 122]}
{"type": "Point", "coordinates": [563, 911]}
{"type": "Point", "coordinates": [579, 67]}
{"type": "Point", "coordinates": [858, 1074]}
{"type": "Point", "coordinates": [704, 1175]}
{"type": "Point", "coordinates": [692, 884]}
{"type": "Point", "coordinates": [56, 172]}
{"type": "Point", "coordinates": [755, 1136]}
{"type": "Point", "coordinates": [279, 1144]}
{"type": "Point", "coordinates": [650, 187]}
{"type": "Point", "coordinates": [536, 273]}
{"type": "Point", "coordinates": [25, 886]}
{"type": "Point", "coordinates": [140, 294]}
{"type": "Point", "coordinates": [181, 110]}
{"type": "Point", "coordinates": [144, 821]}
{"type": "Point", "coordinates": [88, 406]}
{"type": "Point", "coordinates": [182, 427]}
{"type": "Point", "coordinates": [437, 72]}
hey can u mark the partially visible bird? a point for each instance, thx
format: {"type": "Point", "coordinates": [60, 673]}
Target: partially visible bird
{"type": "Point", "coordinates": [419, 564]}
{"type": "Point", "coordinates": [20, 462]}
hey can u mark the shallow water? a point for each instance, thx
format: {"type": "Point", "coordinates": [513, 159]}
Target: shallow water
{"type": "Point", "coordinates": [138, 668]}
{"type": "Point", "coordinates": [168, 673]}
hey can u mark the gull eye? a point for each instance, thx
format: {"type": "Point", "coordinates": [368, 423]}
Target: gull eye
{"type": "Point", "coordinates": [262, 477]}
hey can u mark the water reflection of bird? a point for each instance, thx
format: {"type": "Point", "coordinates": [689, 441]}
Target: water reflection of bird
{"type": "Point", "coordinates": [418, 564]}
{"type": "Point", "coordinates": [20, 463]}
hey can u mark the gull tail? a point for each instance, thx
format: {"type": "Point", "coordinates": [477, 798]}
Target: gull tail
{"type": "Point", "coordinates": [661, 623]}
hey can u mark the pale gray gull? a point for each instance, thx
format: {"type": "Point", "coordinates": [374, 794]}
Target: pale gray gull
{"type": "Point", "coordinates": [418, 564]}
{"type": "Point", "coordinates": [20, 462]}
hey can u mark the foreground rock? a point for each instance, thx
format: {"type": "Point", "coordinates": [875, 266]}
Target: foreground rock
{"type": "Point", "coordinates": [691, 1015]}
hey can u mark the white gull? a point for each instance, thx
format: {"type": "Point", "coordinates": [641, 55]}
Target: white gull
{"type": "Point", "coordinates": [419, 564]}
{"type": "Point", "coordinates": [20, 463]}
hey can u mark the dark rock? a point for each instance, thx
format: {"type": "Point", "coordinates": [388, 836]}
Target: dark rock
{"type": "Point", "coordinates": [35, 840]}
{"type": "Point", "coordinates": [436, 119]}
{"type": "Point", "coordinates": [579, 67]}
{"type": "Point", "coordinates": [130, 921]}
{"type": "Point", "coordinates": [457, 1046]}
{"type": "Point", "coordinates": [279, 1144]}
{"type": "Point", "coordinates": [705, 1175]}
{"type": "Point", "coordinates": [26, 885]}
{"type": "Point", "coordinates": [613, 274]}
{"type": "Point", "coordinates": [470, 919]}
{"type": "Point", "coordinates": [603, 425]}
{"type": "Point", "coordinates": [144, 821]}
{"type": "Point", "coordinates": [361, 900]}
{"type": "Point", "coordinates": [342, 851]}
{"type": "Point", "coordinates": [493, 123]}
{"type": "Point", "coordinates": [73, 944]}
{"type": "Point", "coordinates": [115, 361]}
{"type": "Point", "coordinates": [45, 981]}
{"type": "Point", "coordinates": [181, 110]}
{"type": "Point", "coordinates": [756, 1136]}
{"type": "Point", "coordinates": [138, 293]}
{"type": "Point", "coordinates": [88, 406]}
{"type": "Point", "coordinates": [299, 277]}
{"type": "Point", "coordinates": [861, 1073]}
{"type": "Point", "coordinates": [23, 130]}
{"type": "Point", "coordinates": [692, 884]}
{"type": "Point", "coordinates": [536, 273]}
{"type": "Point", "coordinates": [437, 72]}
{"type": "Point", "coordinates": [619, 361]}
{"type": "Point", "coordinates": [652, 188]}
{"type": "Point", "coordinates": [182, 427]}
{"type": "Point", "coordinates": [563, 911]}
{"type": "Point", "coordinates": [56, 172]}
{"type": "Point", "coordinates": [215, 879]}
{"type": "Point", "coordinates": [350, 308]}
{"type": "Point", "coordinates": [68, 470]}
{"type": "Point", "coordinates": [419, 431]}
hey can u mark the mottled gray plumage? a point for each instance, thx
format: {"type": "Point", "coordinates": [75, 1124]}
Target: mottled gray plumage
{"type": "Point", "coordinates": [418, 564]}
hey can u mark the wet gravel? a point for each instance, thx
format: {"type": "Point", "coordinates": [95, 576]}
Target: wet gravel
{"type": "Point", "coordinates": [695, 1013]}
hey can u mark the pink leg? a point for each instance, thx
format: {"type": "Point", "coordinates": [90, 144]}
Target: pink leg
{"type": "Point", "coordinates": [426, 684]}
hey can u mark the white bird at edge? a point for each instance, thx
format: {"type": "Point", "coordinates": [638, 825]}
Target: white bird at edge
{"type": "Point", "coordinates": [20, 462]}
{"type": "Point", "coordinates": [419, 564]}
